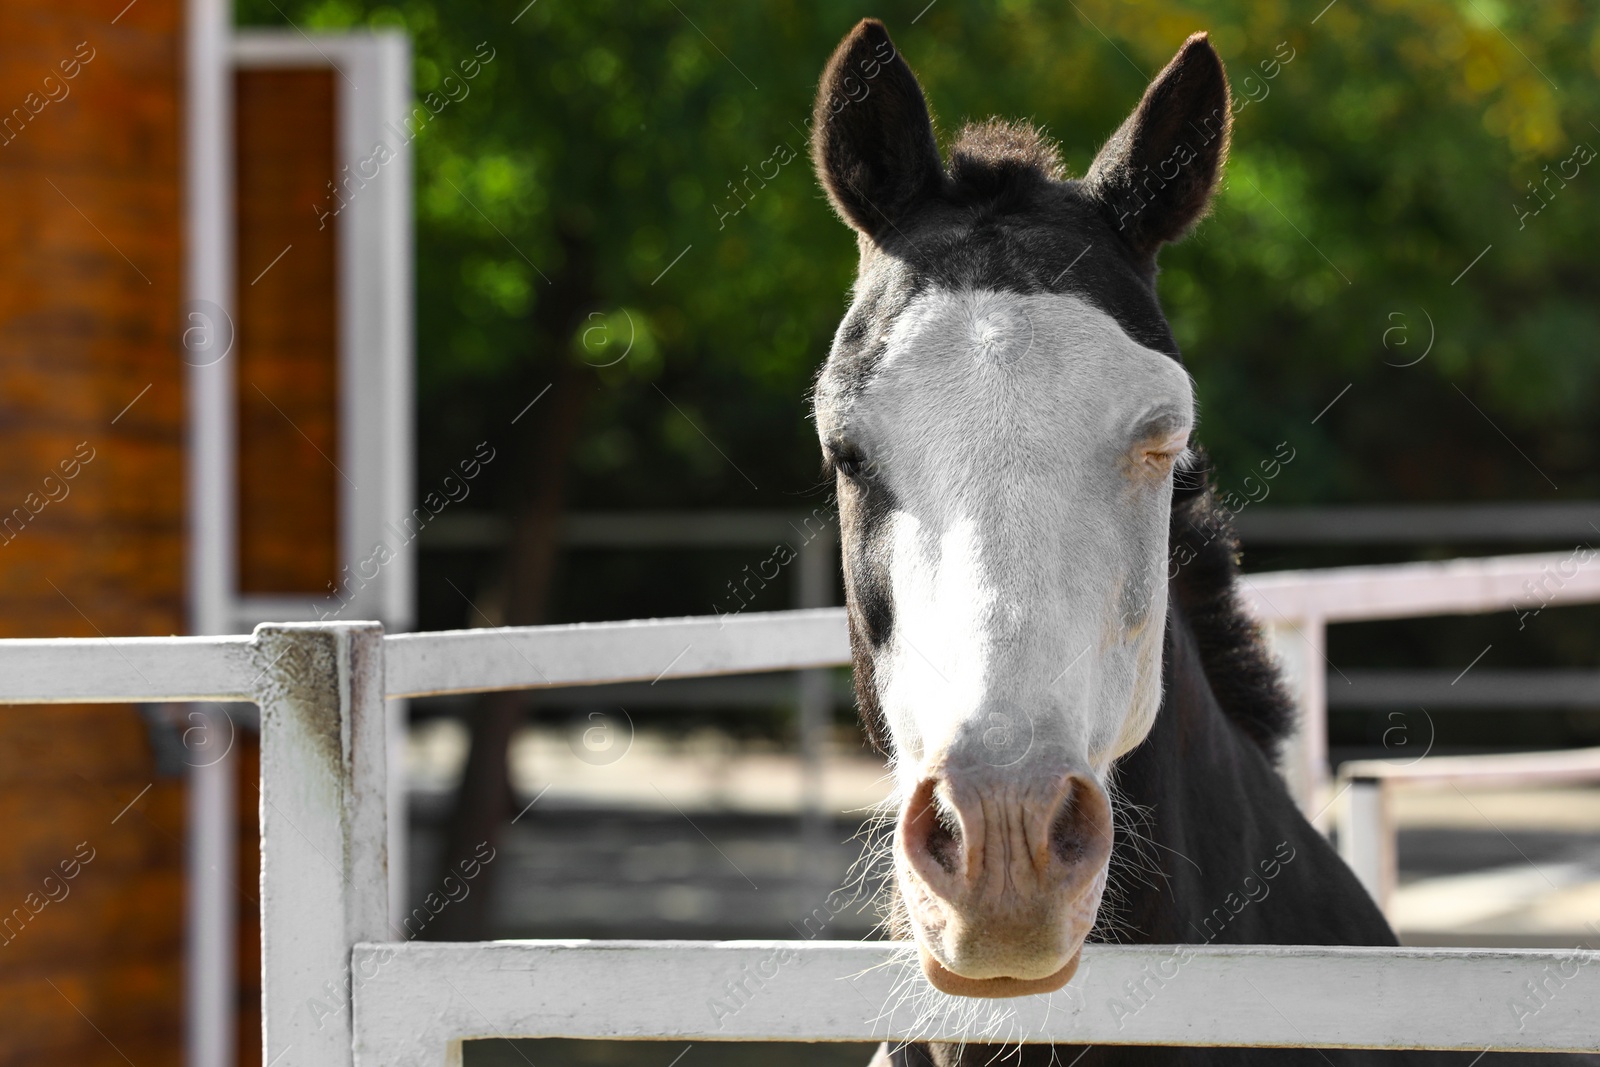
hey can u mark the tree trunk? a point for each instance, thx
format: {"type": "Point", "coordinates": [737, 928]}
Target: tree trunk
{"type": "Point", "coordinates": [549, 433]}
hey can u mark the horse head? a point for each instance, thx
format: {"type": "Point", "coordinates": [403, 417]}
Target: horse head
{"type": "Point", "coordinates": [1004, 408]}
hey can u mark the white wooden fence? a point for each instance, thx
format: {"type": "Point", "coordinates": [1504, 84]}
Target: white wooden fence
{"type": "Point", "coordinates": [1365, 790]}
{"type": "Point", "coordinates": [343, 986]}
{"type": "Point", "coordinates": [1296, 608]}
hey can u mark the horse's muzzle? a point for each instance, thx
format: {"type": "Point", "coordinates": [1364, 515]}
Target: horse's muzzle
{"type": "Point", "coordinates": [1002, 878]}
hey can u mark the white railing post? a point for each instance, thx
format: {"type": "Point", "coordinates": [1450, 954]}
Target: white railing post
{"type": "Point", "coordinates": [1299, 646]}
{"type": "Point", "coordinates": [1366, 842]}
{"type": "Point", "coordinates": [324, 878]}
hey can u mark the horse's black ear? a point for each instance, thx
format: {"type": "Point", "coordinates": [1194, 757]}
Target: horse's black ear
{"type": "Point", "coordinates": [1155, 176]}
{"type": "Point", "coordinates": [872, 140]}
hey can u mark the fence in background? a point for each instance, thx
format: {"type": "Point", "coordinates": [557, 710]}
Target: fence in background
{"type": "Point", "coordinates": [1297, 607]}
{"type": "Point", "coordinates": [811, 536]}
{"type": "Point", "coordinates": [1365, 794]}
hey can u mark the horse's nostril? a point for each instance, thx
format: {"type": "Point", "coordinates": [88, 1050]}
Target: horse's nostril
{"type": "Point", "coordinates": [931, 828]}
{"type": "Point", "coordinates": [944, 840]}
{"type": "Point", "coordinates": [1075, 834]}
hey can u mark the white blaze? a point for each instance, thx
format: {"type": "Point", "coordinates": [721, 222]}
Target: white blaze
{"type": "Point", "coordinates": [1027, 541]}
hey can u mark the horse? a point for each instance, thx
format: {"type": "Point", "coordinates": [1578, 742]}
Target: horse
{"type": "Point", "coordinates": [1040, 583]}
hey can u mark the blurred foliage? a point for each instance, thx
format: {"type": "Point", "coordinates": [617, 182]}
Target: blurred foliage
{"type": "Point", "coordinates": [1369, 170]}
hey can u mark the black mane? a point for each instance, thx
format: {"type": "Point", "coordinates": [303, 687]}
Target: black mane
{"type": "Point", "coordinates": [1205, 559]}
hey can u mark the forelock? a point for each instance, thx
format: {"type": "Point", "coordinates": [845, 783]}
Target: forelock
{"type": "Point", "coordinates": [995, 157]}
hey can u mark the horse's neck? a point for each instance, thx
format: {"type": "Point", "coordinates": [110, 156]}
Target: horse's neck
{"type": "Point", "coordinates": [1210, 847]}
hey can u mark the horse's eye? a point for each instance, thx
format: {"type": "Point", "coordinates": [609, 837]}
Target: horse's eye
{"type": "Point", "coordinates": [1160, 446]}
{"type": "Point", "coordinates": [847, 461]}
{"type": "Point", "coordinates": [1160, 460]}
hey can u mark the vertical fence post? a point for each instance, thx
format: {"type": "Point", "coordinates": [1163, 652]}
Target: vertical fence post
{"type": "Point", "coordinates": [814, 582]}
{"type": "Point", "coordinates": [1366, 838]}
{"type": "Point", "coordinates": [1298, 645]}
{"type": "Point", "coordinates": [324, 877]}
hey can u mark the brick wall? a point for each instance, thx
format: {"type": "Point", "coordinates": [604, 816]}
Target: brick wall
{"type": "Point", "coordinates": [91, 521]}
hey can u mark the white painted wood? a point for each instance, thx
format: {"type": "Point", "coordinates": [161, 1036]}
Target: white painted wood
{"type": "Point", "coordinates": [1299, 647]}
{"type": "Point", "coordinates": [1509, 770]}
{"type": "Point", "coordinates": [375, 316]}
{"type": "Point", "coordinates": [1366, 837]}
{"type": "Point", "coordinates": [376, 437]}
{"type": "Point", "coordinates": [1296, 606]}
{"type": "Point", "coordinates": [206, 331]}
{"type": "Point", "coordinates": [376, 369]}
{"type": "Point", "coordinates": [324, 879]}
{"type": "Point", "coordinates": [324, 884]}
{"type": "Point", "coordinates": [1365, 814]}
{"type": "Point", "coordinates": [534, 657]}
{"type": "Point", "coordinates": [1406, 590]}
{"type": "Point", "coordinates": [413, 999]}
{"type": "Point", "coordinates": [255, 48]}
{"type": "Point", "coordinates": [126, 670]}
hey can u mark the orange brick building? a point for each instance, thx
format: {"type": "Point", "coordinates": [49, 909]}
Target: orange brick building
{"type": "Point", "coordinates": [198, 368]}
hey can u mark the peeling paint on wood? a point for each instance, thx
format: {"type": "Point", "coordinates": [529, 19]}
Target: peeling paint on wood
{"type": "Point", "coordinates": [324, 879]}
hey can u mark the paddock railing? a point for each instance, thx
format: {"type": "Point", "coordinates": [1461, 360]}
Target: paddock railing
{"type": "Point", "coordinates": [343, 985]}
{"type": "Point", "coordinates": [1296, 608]}
{"type": "Point", "coordinates": [1364, 798]}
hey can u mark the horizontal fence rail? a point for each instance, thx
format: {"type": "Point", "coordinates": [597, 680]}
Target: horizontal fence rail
{"type": "Point", "coordinates": [128, 670]}
{"type": "Point", "coordinates": [412, 1000]}
{"type": "Point", "coordinates": [469, 661]}
{"type": "Point", "coordinates": [1501, 771]}
{"type": "Point", "coordinates": [1414, 590]}
{"type": "Point", "coordinates": [132, 670]}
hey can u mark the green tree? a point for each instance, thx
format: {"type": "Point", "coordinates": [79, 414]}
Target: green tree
{"type": "Point", "coordinates": [1368, 171]}
{"type": "Point", "coordinates": [635, 173]}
